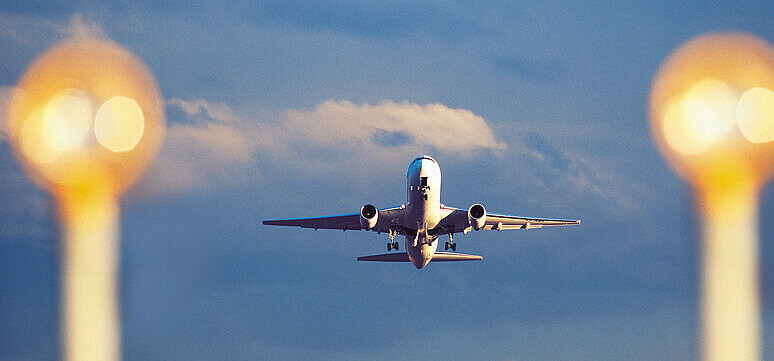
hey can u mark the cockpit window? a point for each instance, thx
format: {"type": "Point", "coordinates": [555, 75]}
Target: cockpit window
{"type": "Point", "coordinates": [424, 157]}
{"type": "Point", "coordinates": [423, 182]}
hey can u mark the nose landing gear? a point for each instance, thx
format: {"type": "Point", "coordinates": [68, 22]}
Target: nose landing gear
{"type": "Point", "coordinates": [451, 243]}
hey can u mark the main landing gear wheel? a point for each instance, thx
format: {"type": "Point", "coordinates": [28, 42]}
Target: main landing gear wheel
{"type": "Point", "coordinates": [450, 244]}
{"type": "Point", "coordinates": [392, 244]}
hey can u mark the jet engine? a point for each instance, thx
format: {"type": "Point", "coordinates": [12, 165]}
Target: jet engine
{"type": "Point", "coordinates": [369, 215]}
{"type": "Point", "coordinates": [477, 216]}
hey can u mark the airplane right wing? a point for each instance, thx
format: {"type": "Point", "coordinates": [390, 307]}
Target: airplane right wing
{"type": "Point", "coordinates": [456, 221]}
{"type": "Point", "coordinates": [388, 219]}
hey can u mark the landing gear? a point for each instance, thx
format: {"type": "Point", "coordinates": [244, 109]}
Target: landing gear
{"type": "Point", "coordinates": [392, 244]}
{"type": "Point", "coordinates": [451, 243]}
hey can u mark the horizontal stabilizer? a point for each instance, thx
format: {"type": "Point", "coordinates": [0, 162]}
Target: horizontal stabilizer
{"type": "Point", "coordinates": [387, 257]}
{"type": "Point", "coordinates": [448, 257]}
{"type": "Point", "coordinates": [403, 257]}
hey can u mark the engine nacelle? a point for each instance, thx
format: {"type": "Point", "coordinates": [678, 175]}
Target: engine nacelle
{"type": "Point", "coordinates": [477, 216]}
{"type": "Point", "coordinates": [369, 215]}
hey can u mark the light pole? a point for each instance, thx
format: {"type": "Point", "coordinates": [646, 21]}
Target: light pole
{"type": "Point", "coordinates": [711, 108]}
{"type": "Point", "coordinates": [85, 120]}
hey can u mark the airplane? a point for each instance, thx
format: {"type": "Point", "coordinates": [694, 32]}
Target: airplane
{"type": "Point", "coordinates": [421, 220]}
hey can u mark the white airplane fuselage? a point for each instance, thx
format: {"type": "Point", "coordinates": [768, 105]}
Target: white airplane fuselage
{"type": "Point", "coordinates": [423, 209]}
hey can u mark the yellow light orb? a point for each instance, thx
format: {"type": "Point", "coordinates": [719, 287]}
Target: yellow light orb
{"type": "Point", "coordinates": [86, 113]}
{"type": "Point", "coordinates": [755, 114]}
{"type": "Point", "coordinates": [119, 124]}
{"type": "Point", "coordinates": [701, 116]}
{"type": "Point", "coordinates": [31, 142]}
{"type": "Point", "coordinates": [710, 112]}
{"type": "Point", "coordinates": [67, 120]}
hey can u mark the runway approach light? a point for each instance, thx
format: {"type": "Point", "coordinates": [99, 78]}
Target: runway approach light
{"type": "Point", "coordinates": [712, 117]}
{"type": "Point", "coordinates": [85, 120]}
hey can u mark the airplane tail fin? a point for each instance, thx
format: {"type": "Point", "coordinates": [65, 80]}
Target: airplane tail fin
{"type": "Point", "coordinates": [403, 257]}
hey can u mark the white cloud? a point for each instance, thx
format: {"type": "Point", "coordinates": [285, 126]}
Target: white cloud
{"type": "Point", "coordinates": [216, 146]}
{"type": "Point", "coordinates": [25, 30]}
{"type": "Point", "coordinates": [5, 98]}
{"type": "Point", "coordinates": [38, 33]}
{"type": "Point", "coordinates": [195, 109]}
{"type": "Point", "coordinates": [80, 28]}
{"type": "Point", "coordinates": [390, 124]}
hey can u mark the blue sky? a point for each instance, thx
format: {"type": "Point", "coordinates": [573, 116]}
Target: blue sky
{"type": "Point", "coordinates": [281, 109]}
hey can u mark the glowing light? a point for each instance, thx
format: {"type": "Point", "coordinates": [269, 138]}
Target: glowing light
{"type": "Point", "coordinates": [66, 120]}
{"type": "Point", "coordinates": [119, 124]}
{"type": "Point", "coordinates": [102, 117]}
{"type": "Point", "coordinates": [755, 115]}
{"type": "Point", "coordinates": [711, 117]}
{"type": "Point", "coordinates": [87, 159]}
{"type": "Point", "coordinates": [31, 141]}
{"type": "Point", "coordinates": [699, 117]}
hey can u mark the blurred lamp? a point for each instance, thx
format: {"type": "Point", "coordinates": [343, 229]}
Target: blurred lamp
{"type": "Point", "coordinates": [85, 120]}
{"type": "Point", "coordinates": [712, 117]}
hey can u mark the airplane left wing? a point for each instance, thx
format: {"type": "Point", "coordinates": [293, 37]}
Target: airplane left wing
{"type": "Point", "coordinates": [456, 221]}
{"type": "Point", "coordinates": [502, 222]}
{"type": "Point", "coordinates": [389, 218]}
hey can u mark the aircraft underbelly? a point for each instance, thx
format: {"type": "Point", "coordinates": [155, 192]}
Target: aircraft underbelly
{"type": "Point", "coordinates": [421, 246]}
{"type": "Point", "coordinates": [421, 254]}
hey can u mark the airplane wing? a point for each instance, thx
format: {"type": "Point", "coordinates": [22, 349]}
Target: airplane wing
{"type": "Point", "coordinates": [456, 220]}
{"type": "Point", "coordinates": [389, 218]}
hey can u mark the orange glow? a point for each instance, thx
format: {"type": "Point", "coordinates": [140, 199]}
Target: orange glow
{"type": "Point", "coordinates": [31, 141]}
{"type": "Point", "coordinates": [102, 116]}
{"type": "Point", "coordinates": [711, 117]}
{"type": "Point", "coordinates": [696, 102]}
{"type": "Point", "coordinates": [86, 120]}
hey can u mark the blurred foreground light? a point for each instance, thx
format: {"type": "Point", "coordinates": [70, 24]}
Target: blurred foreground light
{"type": "Point", "coordinates": [755, 114]}
{"type": "Point", "coordinates": [712, 117]}
{"type": "Point", "coordinates": [119, 124]}
{"type": "Point", "coordinates": [86, 120]}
